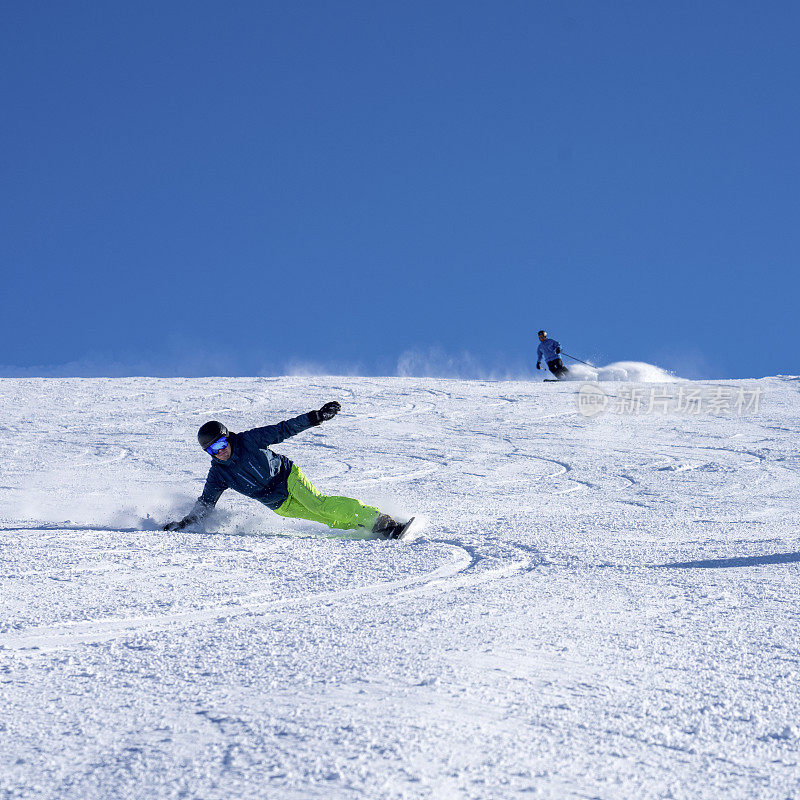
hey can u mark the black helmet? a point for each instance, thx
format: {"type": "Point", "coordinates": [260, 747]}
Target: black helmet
{"type": "Point", "coordinates": [210, 432]}
{"type": "Point", "coordinates": [543, 333]}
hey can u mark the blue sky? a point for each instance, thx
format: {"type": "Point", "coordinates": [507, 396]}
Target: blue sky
{"type": "Point", "coordinates": [255, 187]}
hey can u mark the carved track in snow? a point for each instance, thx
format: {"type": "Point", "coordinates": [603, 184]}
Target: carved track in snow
{"type": "Point", "coordinates": [468, 566]}
{"type": "Point", "coordinates": [459, 570]}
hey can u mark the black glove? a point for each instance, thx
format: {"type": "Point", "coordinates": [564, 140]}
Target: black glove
{"type": "Point", "coordinates": [328, 411]}
{"type": "Point", "coordinates": [558, 350]}
{"type": "Point", "coordinates": [180, 525]}
{"type": "Point", "coordinates": [538, 365]}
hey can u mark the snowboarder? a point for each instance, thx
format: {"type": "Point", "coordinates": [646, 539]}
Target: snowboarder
{"type": "Point", "coordinates": [243, 462]}
{"type": "Point", "coordinates": [549, 350]}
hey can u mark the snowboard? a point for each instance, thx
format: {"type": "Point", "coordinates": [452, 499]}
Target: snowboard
{"type": "Point", "coordinates": [405, 533]}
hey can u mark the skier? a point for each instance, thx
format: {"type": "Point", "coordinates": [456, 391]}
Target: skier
{"type": "Point", "coordinates": [243, 462]}
{"type": "Point", "coordinates": [549, 350]}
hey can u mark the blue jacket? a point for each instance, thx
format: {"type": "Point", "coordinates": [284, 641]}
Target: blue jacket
{"type": "Point", "coordinates": [547, 350]}
{"type": "Point", "coordinates": [253, 469]}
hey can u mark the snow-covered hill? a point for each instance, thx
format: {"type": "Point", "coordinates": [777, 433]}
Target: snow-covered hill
{"type": "Point", "coordinates": [598, 606]}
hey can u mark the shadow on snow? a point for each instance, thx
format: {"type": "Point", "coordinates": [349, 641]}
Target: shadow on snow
{"type": "Point", "coordinates": [741, 561]}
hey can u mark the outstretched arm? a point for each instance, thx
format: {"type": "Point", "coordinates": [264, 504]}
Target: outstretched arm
{"type": "Point", "coordinates": [203, 506]}
{"type": "Point", "coordinates": [274, 434]}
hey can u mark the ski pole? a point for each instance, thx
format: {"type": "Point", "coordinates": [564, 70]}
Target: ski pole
{"type": "Point", "coordinates": [578, 360]}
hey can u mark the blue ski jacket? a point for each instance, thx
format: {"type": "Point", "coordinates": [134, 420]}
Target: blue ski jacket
{"type": "Point", "coordinates": [253, 469]}
{"type": "Point", "coordinates": [548, 350]}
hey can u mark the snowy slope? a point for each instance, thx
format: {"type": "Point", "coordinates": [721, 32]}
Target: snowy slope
{"type": "Point", "coordinates": [598, 607]}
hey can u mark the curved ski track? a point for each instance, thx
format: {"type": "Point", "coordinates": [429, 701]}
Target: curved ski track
{"type": "Point", "coordinates": [460, 571]}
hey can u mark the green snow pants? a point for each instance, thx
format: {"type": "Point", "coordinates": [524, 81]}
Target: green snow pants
{"type": "Point", "coordinates": [306, 502]}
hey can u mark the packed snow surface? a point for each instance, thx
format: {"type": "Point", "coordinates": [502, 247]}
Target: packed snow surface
{"type": "Point", "coordinates": [595, 607]}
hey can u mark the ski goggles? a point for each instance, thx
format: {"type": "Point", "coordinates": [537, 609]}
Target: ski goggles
{"type": "Point", "coordinates": [217, 447]}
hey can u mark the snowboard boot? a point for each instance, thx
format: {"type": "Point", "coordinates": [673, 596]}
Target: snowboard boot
{"type": "Point", "coordinates": [387, 527]}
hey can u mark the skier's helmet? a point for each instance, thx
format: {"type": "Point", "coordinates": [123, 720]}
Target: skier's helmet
{"type": "Point", "coordinates": [543, 333]}
{"type": "Point", "coordinates": [210, 432]}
